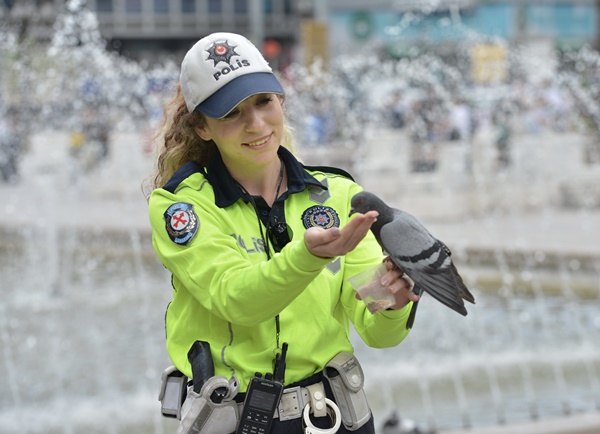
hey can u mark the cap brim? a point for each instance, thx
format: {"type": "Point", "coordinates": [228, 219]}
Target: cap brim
{"type": "Point", "coordinates": [225, 99]}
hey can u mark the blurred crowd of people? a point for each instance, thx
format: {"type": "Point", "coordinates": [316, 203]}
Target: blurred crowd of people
{"type": "Point", "coordinates": [90, 141]}
{"type": "Point", "coordinates": [429, 117]}
{"type": "Point", "coordinates": [432, 116]}
{"type": "Point", "coordinates": [13, 143]}
{"type": "Point", "coordinates": [520, 108]}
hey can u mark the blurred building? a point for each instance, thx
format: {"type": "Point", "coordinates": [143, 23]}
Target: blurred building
{"type": "Point", "coordinates": [302, 30]}
{"type": "Point", "coordinates": [398, 24]}
{"type": "Point", "coordinates": [149, 28]}
{"type": "Point", "coordinates": [476, 36]}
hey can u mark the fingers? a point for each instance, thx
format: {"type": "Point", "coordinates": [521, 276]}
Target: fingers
{"type": "Point", "coordinates": [403, 285]}
{"type": "Point", "coordinates": [356, 229]}
{"type": "Point", "coordinates": [411, 295]}
{"type": "Point", "coordinates": [337, 242]}
{"type": "Point", "coordinates": [389, 264]}
{"type": "Point", "coordinates": [400, 286]}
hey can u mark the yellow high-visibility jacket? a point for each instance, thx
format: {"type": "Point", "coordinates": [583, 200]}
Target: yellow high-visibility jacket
{"type": "Point", "coordinates": [212, 238]}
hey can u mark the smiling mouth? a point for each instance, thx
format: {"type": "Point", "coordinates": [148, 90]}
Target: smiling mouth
{"type": "Point", "coordinates": [259, 142]}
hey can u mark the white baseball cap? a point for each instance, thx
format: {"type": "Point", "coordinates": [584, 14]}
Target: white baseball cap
{"type": "Point", "coordinates": [221, 70]}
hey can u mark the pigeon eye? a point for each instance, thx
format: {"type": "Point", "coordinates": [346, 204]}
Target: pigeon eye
{"type": "Point", "coordinates": [360, 201]}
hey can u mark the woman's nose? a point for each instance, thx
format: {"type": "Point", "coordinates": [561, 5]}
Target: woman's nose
{"type": "Point", "coordinates": [253, 119]}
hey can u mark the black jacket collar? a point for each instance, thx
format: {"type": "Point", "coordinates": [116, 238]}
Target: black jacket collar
{"type": "Point", "coordinates": [227, 191]}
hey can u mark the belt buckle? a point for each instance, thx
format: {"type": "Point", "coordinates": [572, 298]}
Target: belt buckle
{"type": "Point", "coordinates": [291, 404]}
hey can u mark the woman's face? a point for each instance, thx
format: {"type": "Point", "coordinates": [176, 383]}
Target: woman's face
{"type": "Point", "coordinates": [250, 134]}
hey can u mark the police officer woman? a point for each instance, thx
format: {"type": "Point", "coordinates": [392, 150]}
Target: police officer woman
{"type": "Point", "coordinates": [260, 247]}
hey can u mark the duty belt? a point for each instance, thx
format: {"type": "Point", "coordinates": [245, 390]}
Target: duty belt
{"type": "Point", "coordinates": [292, 403]}
{"type": "Point", "coordinates": [294, 398]}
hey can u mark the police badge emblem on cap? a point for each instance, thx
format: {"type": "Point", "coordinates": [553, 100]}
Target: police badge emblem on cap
{"type": "Point", "coordinates": [320, 216]}
{"type": "Point", "coordinates": [181, 222]}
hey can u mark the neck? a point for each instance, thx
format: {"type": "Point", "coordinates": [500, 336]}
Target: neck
{"type": "Point", "coordinates": [269, 184]}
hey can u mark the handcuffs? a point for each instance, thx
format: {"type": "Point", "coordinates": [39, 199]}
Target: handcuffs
{"type": "Point", "coordinates": [332, 411]}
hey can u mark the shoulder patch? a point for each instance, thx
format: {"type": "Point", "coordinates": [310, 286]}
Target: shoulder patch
{"type": "Point", "coordinates": [322, 216]}
{"type": "Point", "coordinates": [181, 222]}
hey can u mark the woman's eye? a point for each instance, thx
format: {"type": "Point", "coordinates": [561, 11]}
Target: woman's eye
{"type": "Point", "coordinates": [233, 113]}
{"type": "Point", "coordinates": [266, 100]}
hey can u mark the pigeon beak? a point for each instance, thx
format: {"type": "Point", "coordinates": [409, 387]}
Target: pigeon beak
{"type": "Point", "coordinates": [352, 211]}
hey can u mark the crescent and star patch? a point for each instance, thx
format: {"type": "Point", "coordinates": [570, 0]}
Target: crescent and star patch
{"type": "Point", "coordinates": [181, 222]}
{"type": "Point", "coordinates": [322, 216]}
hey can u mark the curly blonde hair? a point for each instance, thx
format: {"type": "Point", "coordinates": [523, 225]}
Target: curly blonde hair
{"type": "Point", "coordinates": [177, 141]}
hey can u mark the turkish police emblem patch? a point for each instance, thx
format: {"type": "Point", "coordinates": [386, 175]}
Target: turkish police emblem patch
{"type": "Point", "coordinates": [181, 222]}
{"type": "Point", "coordinates": [322, 216]}
{"type": "Point", "coordinates": [221, 52]}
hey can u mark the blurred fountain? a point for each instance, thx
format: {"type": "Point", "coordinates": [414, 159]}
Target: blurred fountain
{"type": "Point", "coordinates": [81, 320]}
{"type": "Point", "coordinates": [515, 201]}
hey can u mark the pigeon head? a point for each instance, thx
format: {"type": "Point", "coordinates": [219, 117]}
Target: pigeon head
{"type": "Point", "coordinates": [364, 202]}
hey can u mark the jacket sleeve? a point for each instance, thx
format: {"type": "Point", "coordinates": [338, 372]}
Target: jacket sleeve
{"type": "Point", "coordinates": [240, 288]}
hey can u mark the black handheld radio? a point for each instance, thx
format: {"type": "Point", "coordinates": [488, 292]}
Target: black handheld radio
{"type": "Point", "coordinates": [262, 398]}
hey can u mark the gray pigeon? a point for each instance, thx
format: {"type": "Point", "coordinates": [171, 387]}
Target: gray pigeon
{"type": "Point", "coordinates": [424, 258]}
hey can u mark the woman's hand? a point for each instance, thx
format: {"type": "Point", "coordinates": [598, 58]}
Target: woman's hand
{"type": "Point", "coordinates": [329, 243]}
{"type": "Point", "coordinates": [398, 284]}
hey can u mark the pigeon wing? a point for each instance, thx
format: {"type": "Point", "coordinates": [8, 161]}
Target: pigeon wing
{"type": "Point", "coordinates": [425, 260]}
{"type": "Point", "coordinates": [463, 291]}
{"type": "Point", "coordinates": [439, 283]}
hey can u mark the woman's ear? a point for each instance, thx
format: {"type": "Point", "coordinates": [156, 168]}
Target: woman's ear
{"type": "Point", "coordinates": [202, 133]}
